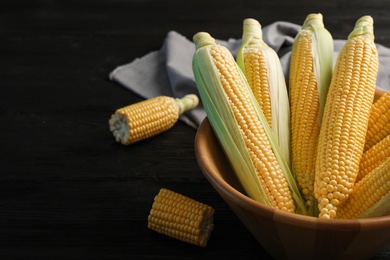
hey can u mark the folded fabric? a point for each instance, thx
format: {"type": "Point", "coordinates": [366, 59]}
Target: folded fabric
{"type": "Point", "coordinates": [168, 71]}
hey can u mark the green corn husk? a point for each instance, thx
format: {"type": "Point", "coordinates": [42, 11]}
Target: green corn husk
{"type": "Point", "coordinates": [322, 53]}
{"type": "Point", "coordinates": [225, 126]}
{"type": "Point", "coordinates": [280, 108]}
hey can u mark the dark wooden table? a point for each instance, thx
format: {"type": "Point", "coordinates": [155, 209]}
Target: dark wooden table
{"type": "Point", "coordinates": [67, 189]}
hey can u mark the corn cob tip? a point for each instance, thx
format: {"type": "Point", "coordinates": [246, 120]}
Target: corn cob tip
{"type": "Point", "coordinates": [186, 103]}
{"type": "Point", "coordinates": [314, 16]}
{"type": "Point", "coordinates": [365, 20]}
{"type": "Point", "coordinates": [202, 39]}
{"type": "Point", "coordinates": [314, 19]}
{"type": "Point", "coordinates": [251, 21]}
{"type": "Point", "coordinates": [364, 27]}
{"type": "Point", "coordinates": [251, 30]}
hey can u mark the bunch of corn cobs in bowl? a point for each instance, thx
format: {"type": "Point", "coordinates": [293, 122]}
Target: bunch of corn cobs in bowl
{"type": "Point", "coordinates": [315, 144]}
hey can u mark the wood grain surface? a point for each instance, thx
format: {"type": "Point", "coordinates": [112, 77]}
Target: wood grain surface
{"type": "Point", "coordinates": [67, 189]}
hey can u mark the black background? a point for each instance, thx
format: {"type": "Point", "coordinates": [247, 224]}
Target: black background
{"type": "Point", "coordinates": [67, 189]}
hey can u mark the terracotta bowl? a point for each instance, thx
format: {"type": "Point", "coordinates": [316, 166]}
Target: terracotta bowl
{"type": "Point", "coordinates": [286, 235]}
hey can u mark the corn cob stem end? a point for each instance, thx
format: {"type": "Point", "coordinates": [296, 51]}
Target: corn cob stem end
{"type": "Point", "coordinates": [186, 103]}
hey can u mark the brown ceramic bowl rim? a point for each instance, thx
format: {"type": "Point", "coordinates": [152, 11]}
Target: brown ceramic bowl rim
{"type": "Point", "coordinates": [205, 164]}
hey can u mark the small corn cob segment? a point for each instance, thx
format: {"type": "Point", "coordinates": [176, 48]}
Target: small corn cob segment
{"type": "Point", "coordinates": [240, 126]}
{"type": "Point", "coordinates": [182, 218]}
{"type": "Point", "coordinates": [373, 157]}
{"type": "Point", "coordinates": [310, 75]}
{"type": "Point", "coordinates": [370, 196]}
{"type": "Point", "coordinates": [148, 118]}
{"type": "Point", "coordinates": [345, 119]}
{"type": "Point", "coordinates": [263, 71]}
{"type": "Point", "coordinates": [379, 122]}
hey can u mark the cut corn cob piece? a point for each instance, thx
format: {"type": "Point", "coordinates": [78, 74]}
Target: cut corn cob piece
{"type": "Point", "coordinates": [379, 122]}
{"type": "Point", "coordinates": [370, 196]}
{"type": "Point", "coordinates": [148, 118]}
{"type": "Point", "coordinates": [373, 157]}
{"type": "Point", "coordinates": [182, 218]}
{"type": "Point", "coordinates": [263, 71]}
{"type": "Point", "coordinates": [241, 128]}
{"type": "Point", "coordinates": [310, 75]}
{"type": "Point", "coordinates": [345, 119]}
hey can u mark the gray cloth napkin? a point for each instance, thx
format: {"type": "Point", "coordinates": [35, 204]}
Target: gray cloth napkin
{"type": "Point", "coordinates": [168, 71]}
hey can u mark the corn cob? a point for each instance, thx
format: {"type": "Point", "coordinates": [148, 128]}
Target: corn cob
{"type": "Point", "coordinates": [345, 119]}
{"type": "Point", "coordinates": [379, 122]}
{"type": "Point", "coordinates": [240, 126]}
{"type": "Point", "coordinates": [373, 157]}
{"type": "Point", "coordinates": [182, 218]}
{"type": "Point", "coordinates": [378, 94]}
{"type": "Point", "coordinates": [263, 71]}
{"type": "Point", "coordinates": [310, 75]}
{"type": "Point", "coordinates": [148, 118]}
{"type": "Point", "coordinates": [370, 196]}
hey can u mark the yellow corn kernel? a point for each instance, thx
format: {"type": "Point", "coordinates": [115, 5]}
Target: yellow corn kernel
{"type": "Point", "coordinates": [308, 86]}
{"type": "Point", "coordinates": [379, 122]}
{"type": "Point", "coordinates": [345, 119]}
{"type": "Point", "coordinates": [373, 157]}
{"type": "Point", "coordinates": [239, 125]}
{"type": "Point", "coordinates": [263, 71]}
{"type": "Point", "coordinates": [148, 118]}
{"type": "Point", "coordinates": [182, 218]}
{"type": "Point", "coordinates": [367, 192]}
